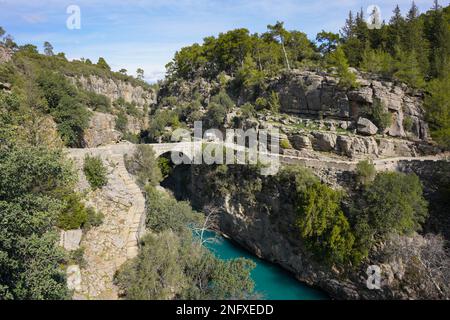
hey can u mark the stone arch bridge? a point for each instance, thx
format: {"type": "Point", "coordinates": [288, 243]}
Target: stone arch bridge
{"type": "Point", "coordinates": [188, 148]}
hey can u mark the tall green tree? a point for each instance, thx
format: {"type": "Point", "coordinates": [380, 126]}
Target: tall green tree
{"type": "Point", "coordinates": [348, 31]}
{"type": "Point", "coordinates": [102, 64]}
{"type": "Point", "coordinates": [48, 49]}
{"type": "Point", "coordinates": [323, 224]}
{"type": "Point", "coordinates": [279, 32]}
{"type": "Point", "coordinates": [396, 29]}
{"type": "Point", "coordinates": [328, 41]}
{"type": "Point", "coordinates": [438, 33]}
{"type": "Point", "coordinates": [408, 68]}
{"type": "Point", "coordinates": [400, 210]}
{"type": "Point", "coordinates": [437, 106]}
{"type": "Point", "coordinates": [30, 260]}
{"type": "Point", "coordinates": [140, 73]}
{"type": "Point", "coordinates": [414, 39]}
{"type": "Point", "coordinates": [338, 60]}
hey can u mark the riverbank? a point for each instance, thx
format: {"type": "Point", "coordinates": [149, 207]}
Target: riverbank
{"type": "Point", "coordinates": [271, 281]}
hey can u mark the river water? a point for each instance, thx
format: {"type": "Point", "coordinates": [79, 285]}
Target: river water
{"type": "Point", "coordinates": [271, 281]}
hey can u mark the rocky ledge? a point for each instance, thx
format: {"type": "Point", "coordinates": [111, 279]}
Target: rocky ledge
{"type": "Point", "coordinates": [318, 94]}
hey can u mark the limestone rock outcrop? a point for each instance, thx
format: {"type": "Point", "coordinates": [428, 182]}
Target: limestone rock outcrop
{"type": "Point", "coordinates": [5, 54]}
{"type": "Point", "coordinates": [357, 146]}
{"type": "Point", "coordinates": [366, 127]}
{"type": "Point", "coordinates": [324, 141]}
{"type": "Point", "coordinates": [101, 130]}
{"type": "Point", "coordinates": [115, 89]}
{"type": "Point", "coordinates": [70, 239]}
{"type": "Point", "coordinates": [318, 94]}
{"type": "Point", "coordinates": [73, 277]}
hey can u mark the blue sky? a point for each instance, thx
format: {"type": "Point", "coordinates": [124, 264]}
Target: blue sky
{"type": "Point", "coordinates": [146, 33]}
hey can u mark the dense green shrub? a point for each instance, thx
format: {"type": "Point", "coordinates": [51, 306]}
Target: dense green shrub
{"type": "Point", "coordinates": [161, 120]}
{"type": "Point", "coordinates": [121, 122]}
{"type": "Point", "coordinates": [380, 117]}
{"type": "Point", "coordinates": [322, 223]}
{"type": "Point", "coordinates": [338, 60]}
{"type": "Point", "coordinates": [164, 166]}
{"type": "Point", "coordinates": [274, 102]}
{"type": "Point", "coordinates": [285, 144]}
{"type": "Point", "coordinates": [377, 61]}
{"type": "Point", "coordinates": [65, 105]}
{"type": "Point", "coordinates": [76, 215]}
{"type": "Point", "coordinates": [437, 106]}
{"type": "Point", "coordinates": [127, 107]}
{"type": "Point", "coordinates": [95, 172]}
{"type": "Point", "coordinates": [96, 102]}
{"type": "Point", "coordinates": [143, 164]}
{"type": "Point", "coordinates": [248, 110]}
{"type": "Point", "coordinates": [261, 103]}
{"type": "Point", "coordinates": [94, 218]}
{"type": "Point", "coordinates": [77, 257]}
{"type": "Point", "coordinates": [408, 123]}
{"type": "Point", "coordinates": [215, 116]}
{"type": "Point", "coordinates": [165, 213]}
{"type": "Point", "coordinates": [392, 203]}
{"type": "Point", "coordinates": [365, 172]}
{"type": "Point", "coordinates": [172, 264]}
{"type": "Point", "coordinates": [171, 267]}
{"type": "Point", "coordinates": [30, 203]}
{"type": "Point", "coordinates": [131, 137]}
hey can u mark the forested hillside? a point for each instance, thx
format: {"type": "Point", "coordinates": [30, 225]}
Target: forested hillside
{"type": "Point", "coordinates": [412, 48]}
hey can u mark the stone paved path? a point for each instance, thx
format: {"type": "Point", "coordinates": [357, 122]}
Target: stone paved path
{"type": "Point", "coordinates": [108, 246]}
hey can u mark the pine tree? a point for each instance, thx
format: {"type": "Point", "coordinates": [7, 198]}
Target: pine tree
{"type": "Point", "coordinates": [140, 73]}
{"type": "Point", "coordinates": [438, 33]}
{"type": "Point", "coordinates": [278, 31]}
{"type": "Point", "coordinates": [48, 49]}
{"type": "Point", "coordinates": [103, 64]}
{"type": "Point", "coordinates": [348, 30]}
{"type": "Point", "coordinates": [361, 29]}
{"type": "Point", "coordinates": [377, 61]}
{"type": "Point", "coordinates": [356, 38]}
{"type": "Point", "coordinates": [408, 68]}
{"type": "Point", "coordinates": [414, 38]}
{"type": "Point", "coordinates": [337, 59]}
{"type": "Point", "coordinates": [396, 29]}
{"type": "Point", "coordinates": [437, 105]}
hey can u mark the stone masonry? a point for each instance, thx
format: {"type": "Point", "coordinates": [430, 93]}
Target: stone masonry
{"type": "Point", "coordinates": [109, 245]}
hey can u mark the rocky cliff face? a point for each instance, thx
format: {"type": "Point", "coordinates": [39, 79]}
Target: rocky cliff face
{"type": "Point", "coordinates": [318, 94]}
{"type": "Point", "coordinates": [102, 126]}
{"type": "Point", "coordinates": [259, 213]}
{"type": "Point", "coordinates": [357, 146]}
{"type": "Point", "coordinates": [5, 54]}
{"type": "Point", "coordinates": [115, 89]}
{"type": "Point", "coordinates": [101, 130]}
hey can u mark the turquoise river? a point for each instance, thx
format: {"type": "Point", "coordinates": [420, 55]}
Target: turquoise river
{"type": "Point", "coordinates": [271, 281]}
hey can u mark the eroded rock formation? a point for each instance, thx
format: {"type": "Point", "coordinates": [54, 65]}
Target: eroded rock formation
{"type": "Point", "coordinates": [115, 89]}
{"type": "Point", "coordinates": [318, 94]}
